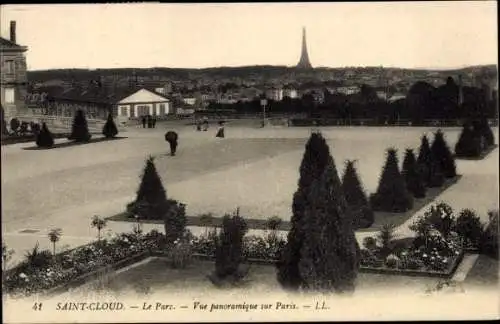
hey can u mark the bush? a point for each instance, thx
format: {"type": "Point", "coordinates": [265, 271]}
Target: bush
{"type": "Point", "coordinates": [181, 253]}
{"type": "Point", "coordinates": [469, 227]}
{"type": "Point", "coordinates": [469, 142]}
{"type": "Point", "coordinates": [483, 129]}
{"type": "Point", "coordinates": [392, 261]}
{"type": "Point", "coordinates": [413, 175]}
{"type": "Point", "coordinates": [109, 130]}
{"type": "Point", "coordinates": [360, 210]}
{"type": "Point", "coordinates": [174, 220]}
{"type": "Point", "coordinates": [441, 218]}
{"type": "Point", "coordinates": [386, 236]}
{"type": "Point", "coordinates": [229, 250]}
{"type": "Point", "coordinates": [80, 130]}
{"type": "Point", "coordinates": [370, 243]}
{"type": "Point", "coordinates": [14, 125]}
{"type": "Point", "coordinates": [443, 156]}
{"type": "Point", "coordinates": [44, 137]}
{"type": "Point", "coordinates": [36, 259]}
{"type": "Point", "coordinates": [489, 237]}
{"type": "Point", "coordinates": [391, 195]}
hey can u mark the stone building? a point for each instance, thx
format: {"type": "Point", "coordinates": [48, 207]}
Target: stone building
{"type": "Point", "coordinates": [13, 75]}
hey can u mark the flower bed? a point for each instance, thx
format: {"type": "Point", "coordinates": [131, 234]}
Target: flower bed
{"type": "Point", "coordinates": [47, 273]}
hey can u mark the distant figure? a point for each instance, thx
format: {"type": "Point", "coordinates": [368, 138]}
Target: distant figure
{"type": "Point", "coordinates": [205, 125]}
{"type": "Point", "coordinates": [153, 121]}
{"type": "Point", "coordinates": [143, 121]}
{"type": "Point", "coordinates": [171, 138]}
{"type": "Point", "coordinates": [149, 120]}
{"type": "Point", "coordinates": [220, 131]}
{"type": "Point", "coordinates": [198, 126]}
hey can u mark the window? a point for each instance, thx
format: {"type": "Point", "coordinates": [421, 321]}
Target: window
{"type": "Point", "coordinates": [162, 110]}
{"type": "Point", "coordinates": [10, 67]}
{"type": "Point", "coordinates": [9, 95]}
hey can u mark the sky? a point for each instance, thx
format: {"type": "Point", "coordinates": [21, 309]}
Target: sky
{"type": "Point", "coordinates": [406, 34]}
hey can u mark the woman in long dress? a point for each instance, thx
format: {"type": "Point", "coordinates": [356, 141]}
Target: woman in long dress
{"type": "Point", "coordinates": [220, 131]}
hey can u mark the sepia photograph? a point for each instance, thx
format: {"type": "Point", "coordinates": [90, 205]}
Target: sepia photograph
{"type": "Point", "coordinates": [218, 162]}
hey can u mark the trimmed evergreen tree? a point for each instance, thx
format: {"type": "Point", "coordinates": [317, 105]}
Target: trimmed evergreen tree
{"type": "Point", "coordinates": [413, 175]}
{"type": "Point", "coordinates": [330, 253]}
{"type": "Point", "coordinates": [442, 154]}
{"type": "Point", "coordinates": [356, 199]}
{"type": "Point", "coordinates": [391, 195]}
{"type": "Point", "coordinates": [469, 142]}
{"type": "Point", "coordinates": [424, 159]}
{"type": "Point", "coordinates": [152, 203]}
{"type": "Point", "coordinates": [151, 200]}
{"type": "Point", "coordinates": [44, 137]}
{"type": "Point", "coordinates": [483, 130]}
{"type": "Point", "coordinates": [109, 130]}
{"type": "Point", "coordinates": [229, 249]}
{"type": "Point", "coordinates": [314, 161]}
{"type": "Point", "coordinates": [80, 130]}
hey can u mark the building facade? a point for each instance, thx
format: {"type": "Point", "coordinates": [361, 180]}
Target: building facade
{"type": "Point", "coordinates": [57, 102]}
{"type": "Point", "coordinates": [13, 75]}
{"type": "Point", "coordinates": [144, 102]}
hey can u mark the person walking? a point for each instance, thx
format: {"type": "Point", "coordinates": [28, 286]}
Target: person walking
{"type": "Point", "coordinates": [143, 121]}
{"type": "Point", "coordinates": [172, 138]}
{"type": "Point", "coordinates": [153, 121]}
{"type": "Point", "coordinates": [220, 131]}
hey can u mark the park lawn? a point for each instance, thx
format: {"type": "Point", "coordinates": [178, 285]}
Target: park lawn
{"type": "Point", "coordinates": [157, 277]}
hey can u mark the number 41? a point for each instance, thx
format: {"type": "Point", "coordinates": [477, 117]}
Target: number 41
{"type": "Point", "coordinates": [37, 306]}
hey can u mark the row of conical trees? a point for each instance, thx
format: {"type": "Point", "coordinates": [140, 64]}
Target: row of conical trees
{"type": "Point", "coordinates": [79, 131]}
{"type": "Point", "coordinates": [396, 190]}
{"type": "Point", "coordinates": [321, 252]}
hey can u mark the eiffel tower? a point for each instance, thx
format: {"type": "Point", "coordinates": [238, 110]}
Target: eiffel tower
{"type": "Point", "coordinates": [304, 57]}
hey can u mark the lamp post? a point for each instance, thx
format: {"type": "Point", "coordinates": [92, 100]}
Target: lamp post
{"type": "Point", "coordinates": [263, 103]}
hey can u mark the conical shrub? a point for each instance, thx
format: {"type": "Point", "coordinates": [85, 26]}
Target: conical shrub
{"type": "Point", "coordinates": [109, 129]}
{"type": "Point", "coordinates": [44, 137]}
{"type": "Point", "coordinates": [356, 199]}
{"type": "Point", "coordinates": [314, 161]}
{"type": "Point", "coordinates": [80, 130]}
{"type": "Point", "coordinates": [391, 195]}
{"type": "Point", "coordinates": [413, 175]}
{"type": "Point", "coordinates": [442, 154]}
{"type": "Point", "coordinates": [329, 257]}
{"type": "Point", "coordinates": [469, 142]}
{"type": "Point", "coordinates": [424, 159]}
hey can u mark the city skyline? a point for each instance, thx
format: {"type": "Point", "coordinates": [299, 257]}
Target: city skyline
{"type": "Point", "coordinates": [421, 35]}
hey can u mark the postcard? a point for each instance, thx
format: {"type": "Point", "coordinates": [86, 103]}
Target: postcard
{"type": "Point", "coordinates": [197, 162]}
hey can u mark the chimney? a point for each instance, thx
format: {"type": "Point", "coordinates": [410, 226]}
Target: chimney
{"type": "Point", "coordinates": [13, 32]}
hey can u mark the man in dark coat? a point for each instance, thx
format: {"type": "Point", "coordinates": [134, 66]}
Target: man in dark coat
{"type": "Point", "coordinates": [143, 121]}
{"type": "Point", "coordinates": [171, 137]}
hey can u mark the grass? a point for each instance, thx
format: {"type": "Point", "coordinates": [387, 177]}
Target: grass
{"type": "Point", "coordinates": [252, 223]}
{"type": "Point", "coordinates": [381, 218]}
{"type": "Point", "coordinates": [384, 218]}
{"type": "Point", "coordinates": [157, 276]}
